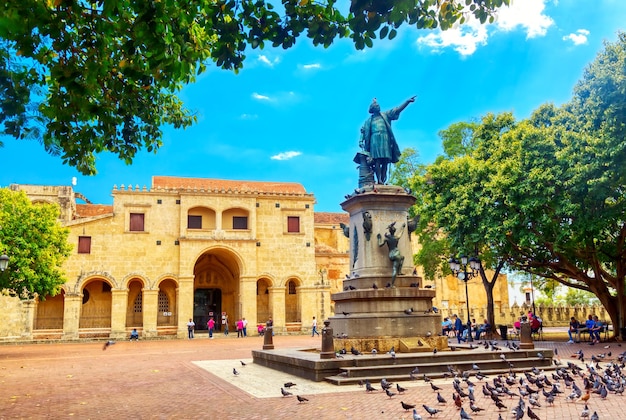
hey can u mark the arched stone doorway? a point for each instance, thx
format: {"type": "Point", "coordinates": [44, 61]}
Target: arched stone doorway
{"type": "Point", "coordinates": [216, 288]}
{"type": "Point", "coordinates": [134, 308]}
{"type": "Point", "coordinates": [167, 315]}
{"type": "Point", "coordinates": [292, 302]}
{"type": "Point", "coordinates": [50, 312]}
{"type": "Point", "coordinates": [96, 307]}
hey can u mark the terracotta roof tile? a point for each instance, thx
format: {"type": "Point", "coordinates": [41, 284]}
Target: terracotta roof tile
{"type": "Point", "coordinates": [90, 210]}
{"type": "Point", "coordinates": [205, 183]}
{"type": "Point", "coordinates": [331, 218]}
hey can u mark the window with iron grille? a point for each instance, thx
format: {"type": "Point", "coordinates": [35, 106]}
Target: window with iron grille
{"type": "Point", "coordinates": [138, 305]}
{"type": "Point", "coordinates": [164, 302]}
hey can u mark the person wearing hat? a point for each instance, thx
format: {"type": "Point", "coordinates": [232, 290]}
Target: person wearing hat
{"type": "Point", "coordinates": [378, 140]}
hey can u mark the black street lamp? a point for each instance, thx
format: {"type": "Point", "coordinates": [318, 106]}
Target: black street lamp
{"type": "Point", "coordinates": [460, 270]}
{"type": "Point", "coordinates": [4, 262]}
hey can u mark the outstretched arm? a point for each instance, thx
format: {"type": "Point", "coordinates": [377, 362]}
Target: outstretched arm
{"type": "Point", "coordinates": [406, 103]}
{"type": "Point", "coordinates": [380, 243]}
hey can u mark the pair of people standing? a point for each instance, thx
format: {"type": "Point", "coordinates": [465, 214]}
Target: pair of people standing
{"type": "Point", "coordinates": [242, 327]}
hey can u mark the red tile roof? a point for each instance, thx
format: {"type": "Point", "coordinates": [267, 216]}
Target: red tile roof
{"type": "Point", "coordinates": [331, 218]}
{"type": "Point", "coordinates": [90, 210]}
{"type": "Point", "coordinates": [170, 182]}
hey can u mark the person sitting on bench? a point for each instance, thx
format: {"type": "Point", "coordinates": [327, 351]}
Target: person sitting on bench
{"type": "Point", "coordinates": [134, 335]}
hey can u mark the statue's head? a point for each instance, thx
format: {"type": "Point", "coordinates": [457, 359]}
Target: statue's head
{"type": "Point", "coordinates": [374, 107]}
{"type": "Point", "coordinates": [392, 228]}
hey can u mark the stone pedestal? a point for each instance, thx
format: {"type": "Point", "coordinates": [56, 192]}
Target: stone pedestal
{"type": "Point", "coordinates": [369, 308]}
{"type": "Point", "coordinates": [328, 346]}
{"type": "Point", "coordinates": [526, 337]}
{"type": "Point", "coordinates": [268, 342]}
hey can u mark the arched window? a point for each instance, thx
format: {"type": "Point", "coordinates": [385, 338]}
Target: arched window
{"type": "Point", "coordinates": [292, 287]}
{"type": "Point", "coordinates": [164, 302]}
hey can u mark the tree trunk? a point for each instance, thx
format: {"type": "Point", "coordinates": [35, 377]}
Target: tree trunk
{"type": "Point", "coordinates": [489, 286]}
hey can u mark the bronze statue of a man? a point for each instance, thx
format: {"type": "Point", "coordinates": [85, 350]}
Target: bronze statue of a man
{"type": "Point", "coordinates": [378, 140]}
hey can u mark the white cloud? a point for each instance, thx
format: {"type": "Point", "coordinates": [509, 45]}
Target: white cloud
{"type": "Point", "coordinates": [578, 38]}
{"type": "Point", "coordinates": [465, 39]}
{"type": "Point", "coordinates": [286, 155]}
{"type": "Point", "coordinates": [527, 14]}
{"type": "Point", "coordinates": [265, 60]}
{"type": "Point", "coordinates": [260, 97]}
{"type": "Point", "coordinates": [314, 66]}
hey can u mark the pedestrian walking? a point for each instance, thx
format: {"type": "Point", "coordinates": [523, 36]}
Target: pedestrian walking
{"type": "Point", "coordinates": [314, 329]}
{"type": "Point", "coordinates": [211, 326]}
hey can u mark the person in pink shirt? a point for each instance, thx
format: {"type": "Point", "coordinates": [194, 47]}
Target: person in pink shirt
{"type": "Point", "coordinates": [240, 328]}
{"type": "Point", "coordinates": [211, 326]}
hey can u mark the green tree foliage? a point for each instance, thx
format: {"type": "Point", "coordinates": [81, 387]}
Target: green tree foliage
{"type": "Point", "coordinates": [85, 77]}
{"type": "Point", "coordinates": [36, 244]}
{"type": "Point", "coordinates": [547, 193]}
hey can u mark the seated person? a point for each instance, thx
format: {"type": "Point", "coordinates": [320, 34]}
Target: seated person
{"type": "Point", "coordinates": [261, 329]}
{"type": "Point", "coordinates": [134, 335]}
{"type": "Point", "coordinates": [588, 326]}
{"type": "Point", "coordinates": [485, 327]}
{"type": "Point", "coordinates": [574, 325]}
{"type": "Point", "coordinates": [517, 326]}
{"type": "Point", "coordinates": [446, 326]}
{"type": "Point", "coordinates": [594, 331]}
{"type": "Point", "coordinates": [535, 324]}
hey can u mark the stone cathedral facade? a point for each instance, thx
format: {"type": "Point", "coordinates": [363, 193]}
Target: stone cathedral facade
{"type": "Point", "coordinates": [187, 248]}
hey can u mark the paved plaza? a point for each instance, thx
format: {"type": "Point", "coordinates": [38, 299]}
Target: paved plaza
{"type": "Point", "coordinates": [194, 379]}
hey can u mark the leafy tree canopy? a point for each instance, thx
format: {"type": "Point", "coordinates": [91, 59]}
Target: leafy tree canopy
{"type": "Point", "coordinates": [36, 244]}
{"type": "Point", "coordinates": [85, 77]}
{"type": "Point", "coordinates": [546, 194]}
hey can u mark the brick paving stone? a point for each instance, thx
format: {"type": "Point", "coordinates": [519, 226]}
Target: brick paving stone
{"type": "Point", "coordinates": [158, 380]}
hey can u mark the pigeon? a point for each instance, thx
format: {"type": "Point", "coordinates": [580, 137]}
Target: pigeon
{"type": "Point", "coordinates": [408, 311]}
{"type": "Point", "coordinates": [406, 406]}
{"type": "Point", "coordinates": [107, 344]}
{"type": "Point", "coordinates": [585, 412]}
{"type": "Point", "coordinates": [430, 410]}
{"type": "Point", "coordinates": [289, 384]}
{"type": "Point", "coordinates": [400, 389]}
{"type": "Point", "coordinates": [416, 416]}
{"type": "Point", "coordinates": [440, 399]}
{"type": "Point", "coordinates": [235, 372]}
{"type": "Point", "coordinates": [242, 363]}
{"type": "Point", "coordinates": [345, 313]}
{"type": "Point", "coordinates": [476, 409]}
{"type": "Point", "coordinates": [369, 387]}
{"type": "Point", "coordinates": [464, 415]}
{"type": "Point", "coordinates": [531, 414]}
{"type": "Point", "coordinates": [301, 399]}
{"type": "Point", "coordinates": [389, 393]}
{"type": "Point", "coordinates": [374, 286]}
{"type": "Point", "coordinates": [285, 393]}
{"type": "Point", "coordinates": [384, 384]}
{"type": "Point", "coordinates": [594, 416]}
{"type": "Point", "coordinates": [434, 387]}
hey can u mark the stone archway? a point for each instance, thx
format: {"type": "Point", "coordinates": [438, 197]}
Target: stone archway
{"type": "Point", "coordinates": [96, 307]}
{"type": "Point", "coordinates": [216, 288]}
{"type": "Point", "coordinates": [134, 307]}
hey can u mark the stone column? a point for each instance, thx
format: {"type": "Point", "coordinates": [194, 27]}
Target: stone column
{"type": "Point", "coordinates": [29, 307]}
{"type": "Point", "coordinates": [71, 315]}
{"type": "Point", "coordinates": [119, 304]}
{"type": "Point", "coordinates": [247, 299]}
{"type": "Point", "coordinates": [150, 312]}
{"type": "Point", "coordinates": [277, 306]}
{"type": "Point", "coordinates": [185, 304]}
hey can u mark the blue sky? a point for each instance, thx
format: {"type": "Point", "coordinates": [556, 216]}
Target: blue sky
{"type": "Point", "coordinates": [294, 115]}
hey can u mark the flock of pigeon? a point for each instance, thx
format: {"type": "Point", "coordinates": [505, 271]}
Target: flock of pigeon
{"type": "Point", "coordinates": [528, 394]}
{"type": "Point", "coordinates": [519, 395]}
